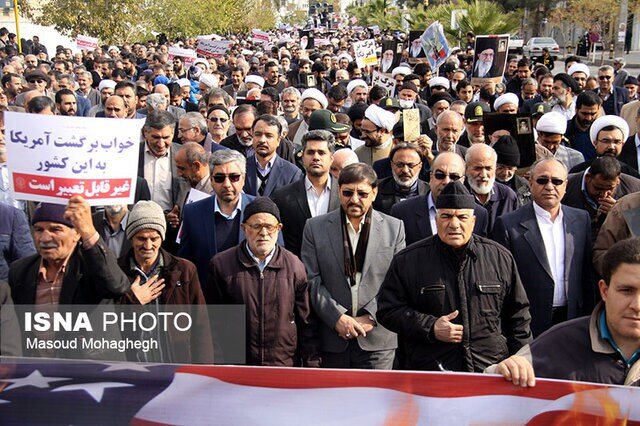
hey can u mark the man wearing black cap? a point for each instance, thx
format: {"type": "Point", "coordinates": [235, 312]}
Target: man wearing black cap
{"type": "Point", "coordinates": [438, 103]}
{"type": "Point", "coordinates": [455, 298]}
{"type": "Point", "coordinates": [631, 84]}
{"type": "Point", "coordinates": [281, 327]}
{"type": "Point", "coordinates": [313, 195]}
{"type": "Point", "coordinates": [473, 124]}
{"type": "Point", "coordinates": [508, 161]}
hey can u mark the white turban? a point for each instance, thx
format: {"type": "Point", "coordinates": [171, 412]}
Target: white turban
{"type": "Point", "coordinates": [507, 98]}
{"type": "Point", "coordinates": [345, 56]}
{"type": "Point", "coordinates": [356, 83]}
{"type": "Point", "coordinates": [315, 94]}
{"type": "Point", "coordinates": [578, 68]}
{"type": "Point", "coordinates": [552, 122]}
{"type": "Point", "coordinates": [439, 82]}
{"type": "Point", "coordinates": [256, 79]}
{"type": "Point", "coordinates": [400, 70]}
{"type": "Point", "coordinates": [380, 117]}
{"type": "Point", "coordinates": [209, 80]}
{"type": "Point", "coordinates": [606, 121]}
{"type": "Point", "coordinates": [183, 82]}
{"type": "Point", "coordinates": [106, 84]}
{"type": "Point", "coordinates": [201, 61]}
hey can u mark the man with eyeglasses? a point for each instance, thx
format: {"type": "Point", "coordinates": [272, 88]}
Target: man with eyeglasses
{"type": "Point", "coordinates": [212, 225]}
{"type": "Point", "coordinates": [281, 327]}
{"type": "Point", "coordinates": [344, 292]}
{"type": "Point", "coordinates": [455, 299]}
{"type": "Point", "coordinates": [609, 135]}
{"type": "Point", "coordinates": [419, 213]}
{"type": "Point", "coordinates": [613, 97]}
{"type": "Point", "coordinates": [551, 244]}
{"type": "Point", "coordinates": [406, 163]}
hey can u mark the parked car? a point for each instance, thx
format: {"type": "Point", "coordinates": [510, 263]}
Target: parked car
{"type": "Point", "coordinates": [534, 47]}
{"type": "Point", "coordinates": [515, 45]}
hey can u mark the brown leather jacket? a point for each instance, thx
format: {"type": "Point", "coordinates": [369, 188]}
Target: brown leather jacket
{"type": "Point", "coordinates": [281, 327]}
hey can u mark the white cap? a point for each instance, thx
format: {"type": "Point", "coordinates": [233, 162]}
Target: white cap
{"type": "Point", "coordinates": [507, 98]}
{"type": "Point", "coordinates": [439, 81]}
{"type": "Point", "coordinates": [577, 67]}
{"type": "Point", "coordinates": [345, 56]}
{"type": "Point", "coordinates": [106, 84]}
{"type": "Point", "coordinates": [315, 94]}
{"type": "Point", "coordinates": [606, 121]}
{"type": "Point", "coordinates": [256, 79]}
{"type": "Point", "coordinates": [400, 70]}
{"type": "Point", "coordinates": [182, 82]}
{"type": "Point", "coordinates": [553, 122]}
{"type": "Point", "coordinates": [201, 61]}
{"type": "Point", "coordinates": [356, 83]}
{"type": "Point", "coordinates": [380, 117]}
{"type": "Point", "coordinates": [210, 80]}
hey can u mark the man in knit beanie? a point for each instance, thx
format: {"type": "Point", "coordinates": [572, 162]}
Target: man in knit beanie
{"type": "Point", "coordinates": [508, 162]}
{"type": "Point", "coordinates": [159, 278]}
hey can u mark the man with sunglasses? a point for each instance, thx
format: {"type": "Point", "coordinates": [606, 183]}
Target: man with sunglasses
{"type": "Point", "coordinates": [347, 253]}
{"type": "Point", "coordinates": [271, 282]}
{"type": "Point", "coordinates": [212, 225]}
{"type": "Point", "coordinates": [613, 97]}
{"type": "Point", "coordinates": [419, 213]}
{"type": "Point", "coordinates": [551, 244]}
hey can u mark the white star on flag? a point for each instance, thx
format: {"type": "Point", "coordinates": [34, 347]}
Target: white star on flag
{"type": "Point", "coordinates": [121, 366]}
{"type": "Point", "coordinates": [96, 390]}
{"type": "Point", "coordinates": [34, 379]}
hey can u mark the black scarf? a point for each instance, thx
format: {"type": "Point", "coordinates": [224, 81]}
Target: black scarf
{"type": "Point", "coordinates": [353, 264]}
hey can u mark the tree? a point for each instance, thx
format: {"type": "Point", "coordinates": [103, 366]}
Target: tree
{"type": "Point", "coordinates": [377, 12]}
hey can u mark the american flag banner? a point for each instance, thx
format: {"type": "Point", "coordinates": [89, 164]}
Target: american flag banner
{"type": "Point", "coordinates": [85, 392]}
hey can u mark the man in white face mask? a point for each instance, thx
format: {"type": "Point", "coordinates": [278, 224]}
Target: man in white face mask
{"type": "Point", "coordinates": [508, 161]}
{"type": "Point", "coordinates": [407, 96]}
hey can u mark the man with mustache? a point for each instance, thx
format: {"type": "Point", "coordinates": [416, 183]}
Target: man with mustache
{"type": "Point", "coordinates": [497, 198]}
{"type": "Point", "coordinates": [344, 293]}
{"type": "Point", "coordinates": [587, 110]}
{"type": "Point", "coordinates": [377, 133]}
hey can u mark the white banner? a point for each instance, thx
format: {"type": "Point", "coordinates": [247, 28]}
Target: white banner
{"type": "Point", "coordinates": [52, 158]}
{"type": "Point", "coordinates": [188, 55]}
{"type": "Point", "coordinates": [212, 48]}
{"type": "Point", "coordinates": [365, 51]}
{"type": "Point", "coordinates": [86, 43]}
{"type": "Point", "coordinates": [259, 36]}
{"type": "Point", "coordinates": [385, 81]}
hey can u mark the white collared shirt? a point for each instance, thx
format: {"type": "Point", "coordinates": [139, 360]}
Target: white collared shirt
{"type": "Point", "coordinates": [354, 237]}
{"type": "Point", "coordinates": [265, 171]}
{"type": "Point", "coordinates": [567, 112]}
{"type": "Point", "coordinates": [637, 140]}
{"type": "Point", "coordinates": [232, 216]}
{"type": "Point", "coordinates": [554, 247]}
{"type": "Point", "coordinates": [318, 203]}
{"type": "Point", "coordinates": [431, 205]}
{"type": "Point", "coordinates": [157, 173]}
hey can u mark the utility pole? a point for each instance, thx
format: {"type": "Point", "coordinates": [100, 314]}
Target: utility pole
{"type": "Point", "coordinates": [621, 32]}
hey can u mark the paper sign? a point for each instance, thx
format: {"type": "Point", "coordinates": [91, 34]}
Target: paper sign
{"type": "Point", "coordinates": [259, 36]}
{"type": "Point", "coordinates": [53, 158]}
{"type": "Point", "coordinates": [212, 48]}
{"type": "Point", "coordinates": [194, 195]}
{"type": "Point", "coordinates": [411, 124]}
{"type": "Point", "coordinates": [86, 42]}
{"type": "Point", "coordinates": [188, 55]}
{"type": "Point", "coordinates": [385, 81]}
{"type": "Point", "coordinates": [490, 58]}
{"type": "Point", "coordinates": [365, 51]}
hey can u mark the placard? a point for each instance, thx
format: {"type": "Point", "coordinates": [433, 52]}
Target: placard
{"type": "Point", "coordinates": [490, 58]}
{"type": "Point", "coordinates": [86, 43]}
{"type": "Point", "coordinates": [385, 81]}
{"type": "Point", "coordinates": [365, 52]}
{"type": "Point", "coordinates": [52, 158]}
{"type": "Point", "coordinates": [212, 48]}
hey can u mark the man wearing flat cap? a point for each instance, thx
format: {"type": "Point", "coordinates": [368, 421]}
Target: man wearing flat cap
{"type": "Point", "coordinates": [346, 253]}
{"type": "Point", "coordinates": [455, 298]}
{"type": "Point", "coordinates": [72, 266]}
{"type": "Point", "coordinates": [272, 284]}
{"type": "Point", "coordinates": [377, 133]}
{"type": "Point", "coordinates": [551, 127]}
{"type": "Point", "coordinates": [159, 278]}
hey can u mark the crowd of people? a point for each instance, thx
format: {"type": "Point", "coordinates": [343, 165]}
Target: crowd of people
{"type": "Point", "coordinates": [351, 244]}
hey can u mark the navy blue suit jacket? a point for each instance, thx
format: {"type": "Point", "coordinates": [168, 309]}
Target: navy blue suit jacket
{"type": "Point", "coordinates": [282, 173]}
{"type": "Point", "coordinates": [198, 235]}
{"type": "Point", "coordinates": [414, 212]}
{"type": "Point", "coordinates": [519, 232]}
